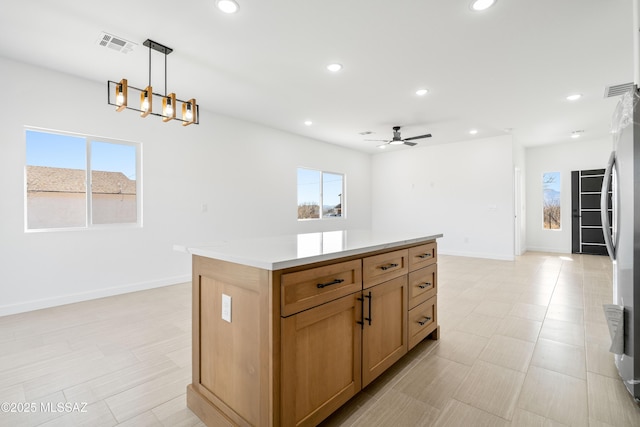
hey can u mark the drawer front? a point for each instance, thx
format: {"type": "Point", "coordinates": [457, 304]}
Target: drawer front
{"type": "Point", "coordinates": [422, 256]}
{"type": "Point", "coordinates": [380, 268]}
{"type": "Point", "coordinates": [423, 320]}
{"type": "Point", "coordinates": [309, 288]}
{"type": "Point", "coordinates": [423, 284]}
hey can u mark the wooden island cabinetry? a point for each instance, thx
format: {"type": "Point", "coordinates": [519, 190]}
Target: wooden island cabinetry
{"type": "Point", "coordinates": [289, 344]}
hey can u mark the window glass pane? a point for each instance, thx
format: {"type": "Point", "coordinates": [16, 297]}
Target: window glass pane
{"type": "Point", "coordinates": [551, 200]}
{"type": "Point", "coordinates": [308, 193]}
{"type": "Point", "coordinates": [113, 183]}
{"type": "Point", "coordinates": [56, 180]}
{"type": "Point", "coordinates": [331, 194]}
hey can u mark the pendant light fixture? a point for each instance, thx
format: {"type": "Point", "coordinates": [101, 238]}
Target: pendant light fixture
{"type": "Point", "coordinates": [170, 104]}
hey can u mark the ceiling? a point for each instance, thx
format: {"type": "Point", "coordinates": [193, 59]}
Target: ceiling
{"type": "Point", "coordinates": [506, 70]}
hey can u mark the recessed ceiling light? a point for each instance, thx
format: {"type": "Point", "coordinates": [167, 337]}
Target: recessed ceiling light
{"type": "Point", "coordinates": [334, 67]}
{"type": "Point", "coordinates": [479, 5]}
{"type": "Point", "coordinates": [308, 122]}
{"type": "Point", "coordinates": [227, 6]}
{"type": "Point", "coordinates": [574, 97]}
{"type": "Point", "coordinates": [576, 134]}
{"type": "Point", "coordinates": [473, 131]}
{"type": "Point", "coordinates": [422, 92]}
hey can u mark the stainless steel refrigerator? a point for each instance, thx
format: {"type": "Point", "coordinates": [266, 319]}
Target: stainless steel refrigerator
{"type": "Point", "coordinates": [621, 227]}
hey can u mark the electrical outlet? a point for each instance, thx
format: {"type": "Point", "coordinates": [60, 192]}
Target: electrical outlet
{"type": "Point", "coordinates": [226, 308]}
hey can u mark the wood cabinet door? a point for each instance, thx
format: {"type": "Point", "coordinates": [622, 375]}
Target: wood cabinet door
{"type": "Point", "coordinates": [321, 360]}
{"type": "Point", "coordinates": [384, 339]}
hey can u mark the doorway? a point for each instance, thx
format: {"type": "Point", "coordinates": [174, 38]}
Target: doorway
{"type": "Point", "coordinates": [586, 222]}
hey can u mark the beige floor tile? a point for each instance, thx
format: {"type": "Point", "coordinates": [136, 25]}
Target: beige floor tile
{"type": "Point", "coordinates": [560, 357]}
{"type": "Point", "coordinates": [508, 352]}
{"type": "Point", "coordinates": [461, 347]}
{"type": "Point", "coordinates": [176, 414]}
{"type": "Point", "coordinates": [529, 311]}
{"type": "Point", "coordinates": [565, 313]}
{"type": "Point", "coordinates": [134, 401]}
{"type": "Point", "coordinates": [398, 409]}
{"type": "Point", "coordinates": [535, 297]}
{"type": "Point", "coordinates": [493, 308]}
{"type": "Point", "coordinates": [492, 388]}
{"type": "Point", "coordinates": [610, 402]}
{"type": "Point", "coordinates": [516, 327]}
{"type": "Point", "coordinates": [600, 360]}
{"type": "Point", "coordinates": [457, 414]}
{"type": "Point", "coordinates": [433, 380]}
{"type": "Point", "coordinates": [522, 418]}
{"type": "Point", "coordinates": [94, 415]}
{"type": "Point", "coordinates": [479, 324]}
{"type": "Point", "coordinates": [553, 395]}
{"type": "Point", "coordinates": [597, 333]}
{"type": "Point", "coordinates": [565, 332]}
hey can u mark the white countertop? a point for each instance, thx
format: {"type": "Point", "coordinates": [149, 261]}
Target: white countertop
{"type": "Point", "coordinates": [275, 253]}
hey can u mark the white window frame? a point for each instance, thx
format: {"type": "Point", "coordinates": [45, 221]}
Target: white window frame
{"type": "Point", "coordinates": [88, 208]}
{"type": "Point", "coordinates": [342, 197]}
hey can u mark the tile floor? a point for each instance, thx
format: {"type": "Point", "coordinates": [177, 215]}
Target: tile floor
{"type": "Point", "coordinates": [522, 343]}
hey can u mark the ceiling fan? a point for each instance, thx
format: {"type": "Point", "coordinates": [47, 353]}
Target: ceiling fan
{"type": "Point", "coordinates": [397, 139]}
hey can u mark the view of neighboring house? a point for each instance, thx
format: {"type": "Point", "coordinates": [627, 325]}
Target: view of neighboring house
{"type": "Point", "coordinates": [57, 198]}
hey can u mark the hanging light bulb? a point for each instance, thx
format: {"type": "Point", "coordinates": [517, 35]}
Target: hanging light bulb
{"type": "Point", "coordinates": [188, 112]}
{"type": "Point", "coordinates": [121, 95]}
{"type": "Point", "coordinates": [168, 107]}
{"type": "Point", "coordinates": [146, 102]}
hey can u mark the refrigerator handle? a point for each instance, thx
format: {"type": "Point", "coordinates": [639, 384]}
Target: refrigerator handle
{"type": "Point", "coordinates": [604, 205]}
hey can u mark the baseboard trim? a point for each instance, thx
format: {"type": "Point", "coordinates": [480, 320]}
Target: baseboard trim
{"type": "Point", "coordinates": [478, 255]}
{"type": "Point", "coordinates": [6, 310]}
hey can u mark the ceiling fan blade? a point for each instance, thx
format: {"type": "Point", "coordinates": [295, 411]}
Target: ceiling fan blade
{"type": "Point", "coordinates": [411, 144]}
{"type": "Point", "coordinates": [418, 137]}
{"type": "Point", "coordinates": [380, 140]}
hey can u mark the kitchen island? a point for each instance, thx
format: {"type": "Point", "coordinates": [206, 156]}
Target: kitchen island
{"type": "Point", "coordinates": [288, 329]}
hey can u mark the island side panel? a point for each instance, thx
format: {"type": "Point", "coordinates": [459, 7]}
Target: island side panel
{"type": "Point", "coordinates": [233, 362]}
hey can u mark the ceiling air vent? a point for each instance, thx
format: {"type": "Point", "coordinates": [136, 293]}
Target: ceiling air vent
{"type": "Point", "coordinates": [116, 43]}
{"type": "Point", "coordinates": [616, 90]}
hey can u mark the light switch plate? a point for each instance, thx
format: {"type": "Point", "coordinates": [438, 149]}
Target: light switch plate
{"type": "Point", "coordinates": [226, 308]}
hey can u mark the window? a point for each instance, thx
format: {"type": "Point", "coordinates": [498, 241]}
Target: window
{"type": "Point", "coordinates": [551, 200]}
{"type": "Point", "coordinates": [320, 194]}
{"type": "Point", "coordinates": [61, 167]}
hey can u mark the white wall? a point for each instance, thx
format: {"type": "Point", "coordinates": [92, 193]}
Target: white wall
{"type": "Point", "coordinates": [463, 190]}
{"type": "Point", "coordinates": [520, 211]}
{"type": "Point", "coordinates": [563, 158]}
{"type": "Point", "coordinates": [244, 172]}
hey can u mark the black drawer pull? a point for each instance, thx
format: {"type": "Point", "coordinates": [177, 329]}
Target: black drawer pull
{"type": "Point", "coordinates": [424, 285]}
{"type": "Point", "coordinates": [386, 267]}
{"type": "Point", "coordinates": [423, 256]}
{"type": "Point", "coordinates": [426, 319]}
{"type": "Point", "coordinates": [333, 282]}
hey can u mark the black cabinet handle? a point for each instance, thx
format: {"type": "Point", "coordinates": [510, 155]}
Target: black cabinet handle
{"type": "Point", "coordinates": [424, 285]}
{"type": "Point", "coordinates": [426, 319]}
{"type": "Point", "coordinates": [333, 282]}
{"type": "Point", "coordinates": [369, 318]}
{"type": "Point", "coordinates": [423, 256]}
{"type": "Point", "coordinates": [386, 267]}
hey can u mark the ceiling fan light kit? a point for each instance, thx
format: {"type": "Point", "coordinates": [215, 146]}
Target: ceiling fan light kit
{"type": "Point", "coordinates": [398, 140]}
{"type": "Point", "coordinates": [170, 104]}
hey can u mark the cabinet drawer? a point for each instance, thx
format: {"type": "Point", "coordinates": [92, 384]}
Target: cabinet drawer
{"type": "Point", "coordinates": [423, 255]}
{"type": "Point", "coordinates": [422, 321]}
{"type": "Point", "coordinates": [423, 284]}
{"type": "Point", "coordinates": [380, 268]}
{"type": "Point", "coordinates": [308, 288]}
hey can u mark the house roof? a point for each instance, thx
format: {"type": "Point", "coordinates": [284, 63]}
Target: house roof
{"type": "Point", "coordinates": [48, 179]}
